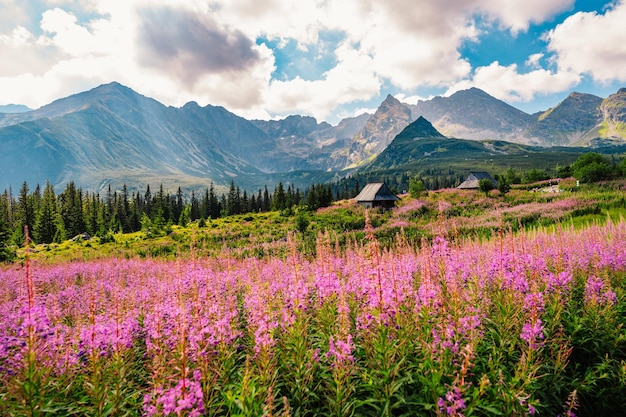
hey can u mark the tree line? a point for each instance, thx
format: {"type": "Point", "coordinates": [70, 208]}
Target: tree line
{"type": "Point", "coordinates": [53, 217]}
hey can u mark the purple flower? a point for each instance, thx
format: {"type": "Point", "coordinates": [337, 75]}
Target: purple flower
{"type": "Point", "coordinates": [454, 404]}
{"type": "Point", "coordinates": [595, 293]}
{"type": "Point", "coordinates": [340, 351]}
{"type": "Point", "coordinates": [534, 303]}
{"type": "Point", "coordinates": [531, 332]}
{"type": "Point", "coordinates": [185, 396]}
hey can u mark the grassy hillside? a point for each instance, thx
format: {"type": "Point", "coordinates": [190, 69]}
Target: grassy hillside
{"type": "Point", "coordinates": [458, 214]}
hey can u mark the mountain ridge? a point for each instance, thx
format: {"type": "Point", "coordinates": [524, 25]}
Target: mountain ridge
{"type": "Point", "coordinates": [111, 134]}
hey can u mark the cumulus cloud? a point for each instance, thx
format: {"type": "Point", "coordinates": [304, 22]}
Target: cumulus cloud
{"type": "Point", "coordinates": [209, 51]}
{"type": "Point", "coordinates": [20, 50]}
{"type": "Point", "coordinates": [507, 83]}
{"type": "Point", "coordinates": [534, 60]}
{"type": "Point", "coordinates": [67, 35]}
{"type": "Point", "coordinates": [352, 79]}
{"type": "Point", "coordinates": [517, 15]}
{"type": "Point", "coordinates": [592, 43]}
{"type": "Point", "coordinates": [191, 45]}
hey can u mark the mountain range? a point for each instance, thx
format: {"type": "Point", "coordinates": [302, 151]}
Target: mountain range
{"type": "Point", "coordinates": [112, 135]}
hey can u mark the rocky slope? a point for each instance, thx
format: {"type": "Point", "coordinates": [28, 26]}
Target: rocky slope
{"type": "Point", "coordinates": [567, 122]}
{"type": "Point", "coordinates": [388, 120]}
{"type": "Point", "coordinates": [474, 114]}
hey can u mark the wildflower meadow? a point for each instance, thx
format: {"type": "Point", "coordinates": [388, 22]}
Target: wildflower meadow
{"type": "Point", "coordinates": [525, 323]}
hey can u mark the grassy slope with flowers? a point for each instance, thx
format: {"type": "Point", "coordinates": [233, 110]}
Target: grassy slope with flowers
{"type": "Point", "coordinates": [458, 214]}
{"type": "Point", "coordinates": [453, 304]}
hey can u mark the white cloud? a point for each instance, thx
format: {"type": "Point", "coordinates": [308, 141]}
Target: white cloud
{"type": "Point", "coordinates": [506, 83]}
{"type": "Point", "coordinates": [18, 38]}
{"type": "Point", "coordinates": [592, 43]}
{"type": "Point", "coordinates": [516, 15]}
{"type": "Point", "coordinates": [180, 51]}
{"type": "Point", "coordinates": [533, 61]}
{"type": "Point", "coordinates": [410, 99]}
{"type": "Point", "coordinates": [22, 54]}
{"type": "Point", "coordinates": [351, 80]}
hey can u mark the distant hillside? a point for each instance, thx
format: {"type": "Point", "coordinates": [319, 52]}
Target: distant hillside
{"type": "Point", "coordinates": [322, 145]}
{"type": "Point", "coordinates": [567, 122]}
{"type": "Point", "coordinates": [14, 108]}
{"type": "Point", "coordinates": [406, 148]}
{"type": "Point", "coordinates": [422, 150]}
{"type": "Point", "coordinates": [112, 135]}
{"type": "Point", "coordinates": [613, 110]}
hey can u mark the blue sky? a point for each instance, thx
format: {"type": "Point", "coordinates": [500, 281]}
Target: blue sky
{"type": "Point", "coordinates": [330, 59]}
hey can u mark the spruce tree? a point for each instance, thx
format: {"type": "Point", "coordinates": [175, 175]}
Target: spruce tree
{"type": "Point", "coordinates": [48, 224]}
{"type": "Point", "coordinates": [71, 210]}
{"type": "Point", "coordinates": [279, 200]}
{"type": "Point", "coordinates": [6, 254]}
{"type": "Point", "coordinates": [214, 204]}
{"type": "Point", "coordinates": [267, 202]}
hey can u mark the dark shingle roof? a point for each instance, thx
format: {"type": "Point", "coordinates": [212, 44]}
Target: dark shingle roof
{"type": "Point", "coordinates": [474, 177]}
{"type": "Point", "coordinates": [377, 191]}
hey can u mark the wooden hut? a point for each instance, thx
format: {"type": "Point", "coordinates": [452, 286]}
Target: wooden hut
{"type": "Point", "coordinates": [472, 180]}
{"type": "Point", "coordinates": [376, 195]}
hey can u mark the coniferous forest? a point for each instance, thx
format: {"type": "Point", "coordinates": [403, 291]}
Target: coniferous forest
{"type": "Point", "coordinates": [54, 217]}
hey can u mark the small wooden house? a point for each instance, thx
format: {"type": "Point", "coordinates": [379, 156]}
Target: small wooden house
{"type": "Point", "coordinates": [472, 180]}
{"type": "Point", "coordinates": [376, 195]}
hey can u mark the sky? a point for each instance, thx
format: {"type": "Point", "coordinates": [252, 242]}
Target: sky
{"type": "Point", "coordinates": [331, 59]}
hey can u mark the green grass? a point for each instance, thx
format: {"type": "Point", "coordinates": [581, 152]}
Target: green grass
{"type": "Point", "coordinates": [459, 214]}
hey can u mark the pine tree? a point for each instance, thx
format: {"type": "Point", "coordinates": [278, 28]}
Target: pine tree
{"type": "Point", "coordinates": [123, 210]}
{"type": "Point", "coordinates": [135, 210]}
{"type": "Point", "coordinates": [233, 202]}
{"type": "Point", "coordinates": [6, 254]}
{"type": "Point", "coordinates": [279, 200]}
{"type": "Point", "coordinates": [214, 204]}
{"type": "Point", "coordinates": [245, 203]}
{"type": "Point", "coordinates": [48, 224]}
{"type": "Point", "coordinates": [90, 213]}
{"type": "Point", "coordinates": [205, 210]}
{"type": "Point", "coordinates": [147, 198]}
{"type": "Point", "coordinates": [312, 200]}
{"type": "Point", "coordinates": [267, 202]}
{"type": "Point", "coordinates": [195, 208]}
{"type": "Point", "coordinates": [71, 210]}
{"type": "Point", "coordinates": [25, 215]}
{"type": "Point", "coordinates": [178, 206]}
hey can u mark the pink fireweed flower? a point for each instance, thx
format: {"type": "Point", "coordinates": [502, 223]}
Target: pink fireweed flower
{"type": "Point", "coordinates": [263, 339]}
{"type": "Point", "coordinates": [534, 303]}
{"type": "Point", "coordinates": [440, 247]}
{"type": "Point", "coordinates": [410, 207]}
{"type": "Point", "coordinates": [428, 295]}
{"type": "Point", "coordinates": [532, 333]}
{"type": "Point", "coordinates": [340, 351]}
{"type": "Point", "coordinates": [595, 293]}
{"type": "Point", "coordinates": [468, 324]}
{"type": "Point", "coordinates": [185, 396]}
{"type": "Point", "coordinates": [453, 405]}
{"type": "Point", "coordinates": [559, 283]}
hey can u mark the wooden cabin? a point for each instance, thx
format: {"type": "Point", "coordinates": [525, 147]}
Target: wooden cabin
{"type": "Point", "coordinates": [376, 195]}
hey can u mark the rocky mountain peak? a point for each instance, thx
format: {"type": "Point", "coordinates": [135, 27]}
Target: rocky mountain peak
{"type": "Point", "coordinates": [390, 101]}
{"type": "Point", "coordinates": [389, 119]}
